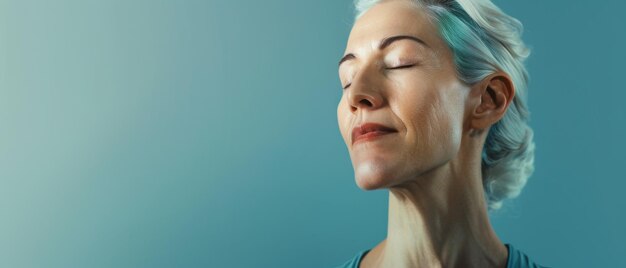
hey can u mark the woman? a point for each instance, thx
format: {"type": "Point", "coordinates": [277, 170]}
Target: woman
{"type": "Point", "coordinates": [434, 109]}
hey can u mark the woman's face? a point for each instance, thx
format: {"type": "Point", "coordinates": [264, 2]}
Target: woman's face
{"type": "Point", "coordinates": [407, 85]}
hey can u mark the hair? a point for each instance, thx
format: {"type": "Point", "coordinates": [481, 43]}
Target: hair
{"type": "Point", "coordinates": [484, 40]}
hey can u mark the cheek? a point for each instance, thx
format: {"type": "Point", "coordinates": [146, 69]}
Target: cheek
{"type": "Point", "coordinates": [447, 118]}
{"type": "Point", "coordinates": [433, 122]}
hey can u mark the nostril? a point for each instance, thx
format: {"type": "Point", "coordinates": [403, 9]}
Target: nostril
{"type": "Point", "coordinates": [366, 102]}
{"type": "Point", "coordinates": [363, 103]}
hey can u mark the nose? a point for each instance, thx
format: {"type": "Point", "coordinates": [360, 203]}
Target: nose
{"type": "Point", "coordinates": [365, 91]}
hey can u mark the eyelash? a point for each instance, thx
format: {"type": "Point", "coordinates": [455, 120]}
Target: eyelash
{"type": "Point", "coordinates": [401, 67]}
{"type": "Point", "coordinates": [390, 68]}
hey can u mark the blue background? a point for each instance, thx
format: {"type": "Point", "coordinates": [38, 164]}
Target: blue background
{"type": "Point", "coordinates": [204, 134]}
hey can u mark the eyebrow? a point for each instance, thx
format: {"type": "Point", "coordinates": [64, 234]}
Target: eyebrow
{"type": "Point", "coordinates": [385, 42]}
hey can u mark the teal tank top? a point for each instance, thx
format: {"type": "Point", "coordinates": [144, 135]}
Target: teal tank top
{"type": "Point", "coordinates": [516, 259]}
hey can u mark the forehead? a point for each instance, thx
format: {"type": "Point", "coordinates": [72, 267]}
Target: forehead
{"type": "Point", "coordinates": [389, 18]}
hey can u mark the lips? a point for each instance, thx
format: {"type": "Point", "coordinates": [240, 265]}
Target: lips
{"type": "Point", "coordinates": [369, 131]}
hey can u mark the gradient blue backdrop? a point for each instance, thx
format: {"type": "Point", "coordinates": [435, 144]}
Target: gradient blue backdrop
{"type": "Point", "coordinates": [204, 134]}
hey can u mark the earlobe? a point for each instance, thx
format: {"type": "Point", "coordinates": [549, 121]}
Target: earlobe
{"type": "Point", "coordinates": [496, 93]}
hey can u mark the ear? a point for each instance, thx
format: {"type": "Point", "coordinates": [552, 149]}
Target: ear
{"type": "Point", "coordinates": [492, 98]}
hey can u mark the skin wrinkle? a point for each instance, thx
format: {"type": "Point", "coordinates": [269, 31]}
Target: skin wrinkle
{"type": "Point", "coordinates": [432, 165]}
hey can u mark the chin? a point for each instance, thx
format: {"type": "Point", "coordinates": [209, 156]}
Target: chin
{"type": "Point", "coordinates": [371, 177]}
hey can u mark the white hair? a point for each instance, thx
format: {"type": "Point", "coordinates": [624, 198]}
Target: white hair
{"type": "Point", "coordinates": [484, 40]}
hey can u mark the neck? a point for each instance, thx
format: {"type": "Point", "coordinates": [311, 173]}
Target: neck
{"type": "Point", "coordinates": [440, 220]}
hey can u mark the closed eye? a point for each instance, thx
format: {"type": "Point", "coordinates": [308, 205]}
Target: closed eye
{"type": "Point", "coordinates": [390, 68]}
{"type": "Point", "coordinates": [401, 67]}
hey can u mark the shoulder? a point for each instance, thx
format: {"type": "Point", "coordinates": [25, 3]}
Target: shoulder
{"type": "Point", "coordinates": [355, 260]}
{"type": "Point", "coordinates": [518, 259]}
